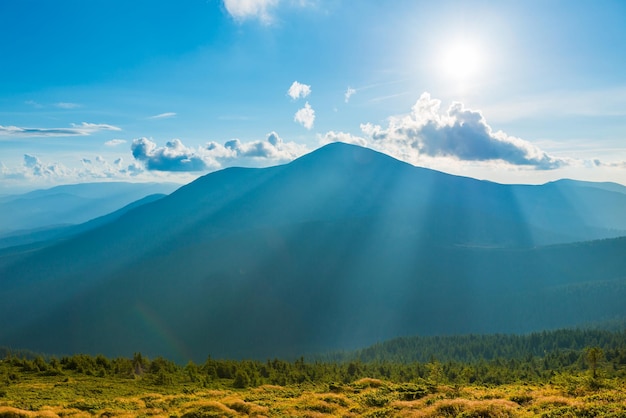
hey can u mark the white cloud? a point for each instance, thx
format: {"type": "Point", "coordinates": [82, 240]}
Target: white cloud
{"type": "Point", "coordinates": [115, 142]}
{"type": "Point", "coordinates": [250, 9]}
{"type": "Point", "coordinates": [305, 116]}
{"type": "Point", "coordinates": [460, 133]}
{"type": "Point", "coordinates": [31, 161]}
{"type": "Point", "coordinates": [163, 115]}
{"type": "Point", "coordinates": [35, 172]}
{"type": "Point", "coordinates": [83, 129]}
{"type": "Point", "coordinates": [67, 105]}
{"type": "Point", "coordinates": [299, 90]}
{"type": "Point", "coordinates": [349, 93]}
{"type": "Point", "coordinates": [93, 127]}
{"type": "Point", "coordinates": [332, 136]}
{"type": "Point", "coordinates": [33, 167]}
{"type": "Point", "coordinates": [174, 156]}
{"type": "Point", "coordinates": [34, 104]}
{"type": "Point", "coordinates": [273, 149]}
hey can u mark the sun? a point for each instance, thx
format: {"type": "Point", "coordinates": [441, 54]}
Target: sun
{"type": "Point", "coordinates": [461, 60]}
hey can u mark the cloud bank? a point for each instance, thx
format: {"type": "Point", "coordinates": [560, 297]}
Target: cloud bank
{"type": "Point", "coordinates": [175, 156]}
{"type": "Point", "coordinates": [36, 171]}
{"type": "Point", "coordinates": [34, 167]}
{"type": "Point", "coordinates": [459, 133]}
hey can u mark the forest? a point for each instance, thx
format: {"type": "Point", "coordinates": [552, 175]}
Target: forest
{"type": "Point", "coordinates": [556, 373]}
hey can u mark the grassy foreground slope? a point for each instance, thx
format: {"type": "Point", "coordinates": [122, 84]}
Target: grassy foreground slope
{"type": "Point", "coordinates": [78, 395]}
{"type": "Point", "coordinates": [552, 374]}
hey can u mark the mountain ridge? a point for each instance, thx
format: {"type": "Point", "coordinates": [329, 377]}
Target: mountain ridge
{"type": "Point", "coordinates": [342, 247]}
{"type": "Point", "coordinates": [71, 204]}
{"type": "Point", "coordinates": [48, 235]}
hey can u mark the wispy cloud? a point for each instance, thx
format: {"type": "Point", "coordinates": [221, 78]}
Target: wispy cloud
{"type": "Point", "coordinates": [115, 142]}
{"type": "Point", "coordinates": [305, 116]}
{"type": "Point", "coordinates": [60, 105]}
{"type": "Point", "coordinates": [83, 129]}
{"type": "Point", "coordinates": [388, 97]}
{"type": "Point", "coordinates": [251, 9]}
{"type": "Point", "coordinates": [349, 93]}
{"type": "Point", "coordinates": [34, 104]}
{"type": "Point", "coordinates": [298, 90]}
{"type": "Point", "coordinates": [94, 127]}
{"type": "Point", "coordinates": [67, 105]}
{"type": "Point", "coordinates": [163, 115]}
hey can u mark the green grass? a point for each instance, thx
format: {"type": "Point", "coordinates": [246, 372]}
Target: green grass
{"type": "Point", "coordinates": [74, 394]}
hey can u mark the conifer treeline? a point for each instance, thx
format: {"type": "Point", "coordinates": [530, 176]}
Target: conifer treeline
{"type": "Point", "coordinates": [473, 348]}
{"type": "Point", "coordinates": [495, 359]}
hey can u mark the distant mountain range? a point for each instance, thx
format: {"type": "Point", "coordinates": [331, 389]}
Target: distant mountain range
{"type": "Point", "coordinates": [338, 249]}
{"type": "Point", "coordinates": [71, 204]}
{"type": "Point", "coordinates": [44, 235]}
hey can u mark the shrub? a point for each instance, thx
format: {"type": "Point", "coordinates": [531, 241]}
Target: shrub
{"type": "Point", "coordinates": [209, 410]}
{"type": "Point", "coordinates": [521, 399]}
{"type": "Point", "coordinates": [411, 392]}
{"type": "Point", "coordinates": [376, 399]}
{"type": "Point", "coordinates": [242, 380]}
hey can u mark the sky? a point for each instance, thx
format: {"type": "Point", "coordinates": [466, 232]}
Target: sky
{"type": "Point", "coordinates": [166, 90]}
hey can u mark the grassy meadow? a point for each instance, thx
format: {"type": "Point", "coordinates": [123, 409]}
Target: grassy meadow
{"type": "Point", "coordinates": [85, 396]}
{"type": "Point", "coordinates": [85, 386]}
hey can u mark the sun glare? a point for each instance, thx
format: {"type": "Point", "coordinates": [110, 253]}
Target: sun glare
{"type": "Point", "coordinates": [461, 61]}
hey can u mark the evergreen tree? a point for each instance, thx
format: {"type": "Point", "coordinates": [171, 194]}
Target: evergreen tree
{"type": "Point", "coordinates": [594, 356]}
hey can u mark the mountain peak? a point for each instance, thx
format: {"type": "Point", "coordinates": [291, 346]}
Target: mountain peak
{"type": "Point", "coordinates": [340, 155]}
{"type": "Point", "coordinates": [342, 149]}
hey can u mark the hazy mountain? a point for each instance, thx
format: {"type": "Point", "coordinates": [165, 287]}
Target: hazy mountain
{"type": "Point", "coordinates": [48, 235]}
{"type": "Point", "coordinates": [71, 204]}
{"type": "Point", "coordinates": [338, 249]}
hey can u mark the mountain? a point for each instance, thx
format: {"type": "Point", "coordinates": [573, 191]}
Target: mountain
{"type": "Point", "coordinates": [46, 235]}
{"type": "Point", "coordinates": [71, 204]}
{"type": "Point", "coordinates": [338, 249]}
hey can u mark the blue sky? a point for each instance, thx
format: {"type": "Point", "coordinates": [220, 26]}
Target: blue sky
{"type": "Point", "coordinates": [514, 92]}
